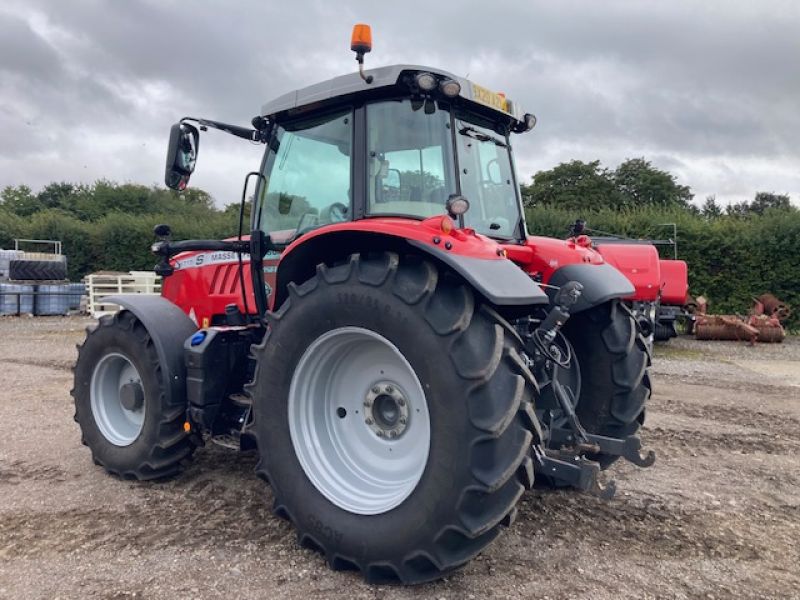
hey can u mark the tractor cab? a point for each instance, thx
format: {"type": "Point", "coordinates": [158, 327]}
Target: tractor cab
{"type": "Point", "coordinates": [414, 142]}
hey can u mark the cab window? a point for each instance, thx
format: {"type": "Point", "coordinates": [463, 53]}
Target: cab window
{"type": "Point", "coordinates": [410, 158]}
{"type": "Point", "coordinates": [307, 176]}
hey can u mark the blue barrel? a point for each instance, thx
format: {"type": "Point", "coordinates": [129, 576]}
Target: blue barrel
{"type": "Point", "coordinates": [52, 299]}
{"type": "Point", "coordinates": [16, 298]}
{"type": "Point", "coordinates": [76, 291]}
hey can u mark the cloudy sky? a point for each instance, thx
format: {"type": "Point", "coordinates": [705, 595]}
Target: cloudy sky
{"type": "Point", "coordinates": [708, 90]}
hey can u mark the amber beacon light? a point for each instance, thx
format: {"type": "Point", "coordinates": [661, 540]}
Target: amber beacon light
{"type": "Point", "coordinates": [361, 43]}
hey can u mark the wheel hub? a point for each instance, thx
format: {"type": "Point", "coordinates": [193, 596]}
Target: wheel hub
{"type": "Point", "coordinates": [386, 410]}
{"type": "Point", "coordinates": [117, 399]}
{"type": "Point", "coordinates": [131, 395]}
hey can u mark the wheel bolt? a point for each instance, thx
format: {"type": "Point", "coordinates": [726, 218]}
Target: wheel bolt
{"type": "Point", "coordinates": [393, 433]}
{"type": "Point", "coordinates": [369, 421]}
{"type": "Point", "coordinates": [401, 401]}
{"type": "Point", "coordinates": [367, 403]}
{"type": "Point", "coordinates": [376, 390]}
{"type": "Point", "coordinates": [380, 433]}
{"type": "Point", "coordinates": [402, 420]}
{"type": "Point", "coordinates": [389, 389]}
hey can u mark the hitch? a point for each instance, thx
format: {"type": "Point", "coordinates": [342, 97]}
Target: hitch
{"type": "Point", "coordinates": [574, 471]}
{"type": "Point", "coordinates": [629, 448]}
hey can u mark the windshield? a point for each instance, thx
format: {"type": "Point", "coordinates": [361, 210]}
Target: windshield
{"type": "Point", "coordinates": [410, 158]}
{"type": "Point", "coordinates": [487, 179]}
{"type": "Point", "coordinates": [307, 176]}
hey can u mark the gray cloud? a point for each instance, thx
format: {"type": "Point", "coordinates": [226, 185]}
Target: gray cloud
{"type": "Point", "coordinates": [710, 91]}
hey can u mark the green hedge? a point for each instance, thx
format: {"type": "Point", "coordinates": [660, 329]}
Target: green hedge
{"type": "Point", "coordinates": [116, 242]}
{"type": "Point", "coordinates": [731, 259]}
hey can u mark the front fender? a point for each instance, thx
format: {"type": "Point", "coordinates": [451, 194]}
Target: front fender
{"type": "Point", "coordinates": [168, 327]}
{"type": "Point", "coordinates": [601, 283]}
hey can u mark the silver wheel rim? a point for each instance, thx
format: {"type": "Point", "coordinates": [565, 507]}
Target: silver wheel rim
{"type": "Point", "coordinates": [119, 425]}
{"type": "Point", "coordinates": [350, 393]}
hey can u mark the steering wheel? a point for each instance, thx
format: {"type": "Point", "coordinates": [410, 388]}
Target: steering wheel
{"type": "Point", "coordinates": [335, 213]}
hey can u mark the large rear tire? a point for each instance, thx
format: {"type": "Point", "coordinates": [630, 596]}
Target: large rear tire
{"type": "Point", "coordinates": [121, 405]}
{"type": "Point", "coordinates": [398, 503]}
{"type": "Point", "coordinates": [614, 359]}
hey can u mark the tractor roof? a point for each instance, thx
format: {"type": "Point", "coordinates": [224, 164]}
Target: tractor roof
{"type": "Point", "coordinates": [326, 92]}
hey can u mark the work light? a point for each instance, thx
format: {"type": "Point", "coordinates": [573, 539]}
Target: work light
{"type": "Point", "coordinates": [425, 81]}
{"type": "Point", "coordinates": [450, 88]}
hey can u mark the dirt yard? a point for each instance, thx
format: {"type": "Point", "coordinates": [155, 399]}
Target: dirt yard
{"type": "Point", "coordinates": [718, 516]}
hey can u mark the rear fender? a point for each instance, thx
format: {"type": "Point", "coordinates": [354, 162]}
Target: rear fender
{"type": "Point", "coordinates": [601, 283]}
{"type": "Point", "coordinates": [477, 259]}
{"type": "Point", "coordinates": [168, 327]}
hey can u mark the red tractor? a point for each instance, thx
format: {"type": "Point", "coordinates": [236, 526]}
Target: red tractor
{"type": "Point", "coordinates": [403, 357]}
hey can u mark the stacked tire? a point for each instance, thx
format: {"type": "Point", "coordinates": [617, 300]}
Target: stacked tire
{"type": "Point", "coordinates": [47, 282]}
{"type": "Point", "coordinates": [37, 270]}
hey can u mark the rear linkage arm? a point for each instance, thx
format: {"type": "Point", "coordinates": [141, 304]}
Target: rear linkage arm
{"type": "Point", "coordinates": [563, 459]}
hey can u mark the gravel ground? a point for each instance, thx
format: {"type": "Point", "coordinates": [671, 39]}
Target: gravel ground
{"type": "Point", "coordinates": [717, 516]}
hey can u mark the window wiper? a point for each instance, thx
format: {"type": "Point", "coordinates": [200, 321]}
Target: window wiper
{"type": "Point", "coordinates": [473, 133]}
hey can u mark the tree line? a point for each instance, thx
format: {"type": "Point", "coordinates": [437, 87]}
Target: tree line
{"type": "Point", "coordinates": [635, 183]}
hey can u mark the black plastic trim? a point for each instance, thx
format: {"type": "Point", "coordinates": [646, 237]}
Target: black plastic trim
{"type": "Point", "coordinates": [601, 283]}
{"type": "Point", "coordinates": [500, 281]}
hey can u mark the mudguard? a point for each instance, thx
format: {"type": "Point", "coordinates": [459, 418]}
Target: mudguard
{"type": "Point", "coordinates": [475, 258]}
{"type": "Point", "coordinates": [601, 283]}
{"type": "Point", "coordinates": [168, 327]}
{"type": "Point", "coordinates": [501, 282]}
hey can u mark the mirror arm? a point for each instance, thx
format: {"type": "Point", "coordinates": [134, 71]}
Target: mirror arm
{"type": "Point", "coordinates": [168, 249]}
{"type": "Point", "coordinates": [254, 135]}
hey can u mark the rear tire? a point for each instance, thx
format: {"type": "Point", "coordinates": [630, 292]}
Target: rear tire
{"type": "Point", "coordinates": [477, 392]}
{"type": "Point", "coordinates": [614, 358]}
{"type": "Point", "coordinates": [146, 440]}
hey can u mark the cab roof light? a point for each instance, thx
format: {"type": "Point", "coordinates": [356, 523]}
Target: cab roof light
{"type": "Point", "coordinates": [528, 122]}
{"type": "Point", "coordinates": [450, 88]}
{"type": "Point", "coordinates": [425, 81]}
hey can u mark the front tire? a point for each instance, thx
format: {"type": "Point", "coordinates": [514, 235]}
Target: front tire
{"type": "Point", "coordinates": [355, 332]}
{"type": "Point", "coordinates": [121, 404]}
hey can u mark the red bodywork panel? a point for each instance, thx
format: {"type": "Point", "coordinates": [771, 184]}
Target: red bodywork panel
{"type": "Point", "coordinates": [204, 283]}
{"type": "Point", "coordinates": [463, 241]}
{"type": "Point", "coordinates": [674, 282]}
{"type": "Point", "coordinates": [540, 257]}
{"type": "Point", "coordinates": [640, 264]}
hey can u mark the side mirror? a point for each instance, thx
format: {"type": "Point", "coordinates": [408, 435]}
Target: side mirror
{"type": "Point", "coordinates": [184, 140]}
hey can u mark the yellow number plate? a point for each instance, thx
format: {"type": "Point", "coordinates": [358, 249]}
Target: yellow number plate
{"type": "Point", "coordinates": [489, 98]}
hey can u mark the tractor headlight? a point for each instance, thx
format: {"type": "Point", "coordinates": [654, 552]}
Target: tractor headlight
{"type": "Point", "coordinates": [425, 81]}
{"type": "Point", "coordinates": [450, 88]}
